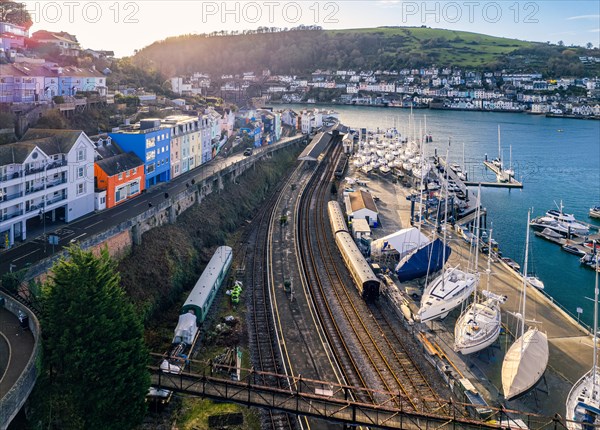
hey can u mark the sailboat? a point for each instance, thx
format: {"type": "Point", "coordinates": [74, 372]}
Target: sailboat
{"type": "Point", "coordinates": [502, 175]}
{"type": "Point", "coordinates": [448, 290]}
{"type": "Point", "coordinates": [479, 326]}
{"type": "Point", "coordinates": [526, 360]}
{"type": "Point", "coordinates": [583, 401]}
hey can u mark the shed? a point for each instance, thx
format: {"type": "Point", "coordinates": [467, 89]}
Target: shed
{"type": "Point", "coordinates": [316, 147]}
{"type": "Point", "coordinates": [360, 205]}
{"type": "Point", "coordinates": [361, 229]}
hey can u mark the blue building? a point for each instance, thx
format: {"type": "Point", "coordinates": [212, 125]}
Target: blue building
{"type": "Point", "coordinates": [150, 141]}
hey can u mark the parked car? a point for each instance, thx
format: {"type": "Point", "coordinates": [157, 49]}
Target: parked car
{"type": "Point", "coordinates": [247, 152]}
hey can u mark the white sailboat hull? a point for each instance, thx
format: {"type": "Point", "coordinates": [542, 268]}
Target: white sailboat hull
{"type": "Point", "coordinates": [583, 393]}
{"type": "Point", "coordinates": [524, 363]}
{"type": "Point", "coordinates": [478, 327]}
{"type": "Point", "coordinates": [445, 293]}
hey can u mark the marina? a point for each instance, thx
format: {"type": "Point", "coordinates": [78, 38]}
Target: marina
{"type": "Point", "coordinates": [567, 354]}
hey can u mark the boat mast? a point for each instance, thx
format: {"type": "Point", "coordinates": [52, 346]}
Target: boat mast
{"type": "Point", "coordinates": [477, 228]}
{"type": "Point", "coordinates": [489, 260]}
{"type": "Point", "coordinates": [594, 379]}
{"type": "Point", "coordinates": [463, 163]}
{"type": "Point", "coordinates": [445, 220]}
{"type": "Point", "coordinates": [499, 154]}
{"type": "Point", "coordinates": [525, 285]}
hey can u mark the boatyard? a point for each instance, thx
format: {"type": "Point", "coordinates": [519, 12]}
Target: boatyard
{"type": "Point", "coordinates": [570, 344]}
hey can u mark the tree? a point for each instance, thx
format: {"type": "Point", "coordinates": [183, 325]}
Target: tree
{"type": "Point", "coordinates": [589, 45]}
{"type": "Point", "coordinates": [15, 13]}
{"type": "Point", "coordinates": [94, 357]}
{"type": "Point", "coordinates": [52, 119]}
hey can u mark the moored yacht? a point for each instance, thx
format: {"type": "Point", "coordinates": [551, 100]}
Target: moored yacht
{"type": "Point", "coordinates": [568, 221]}
{"type": "Point", "coordinates": [562, 227]}
{"type": "Point", "coordinates": [595, 212]}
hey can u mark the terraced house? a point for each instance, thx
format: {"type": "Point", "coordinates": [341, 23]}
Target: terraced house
{"type": "Point", "coordinates": [49, 174]}
{"type": "Point", "coordinates": [150, 140]}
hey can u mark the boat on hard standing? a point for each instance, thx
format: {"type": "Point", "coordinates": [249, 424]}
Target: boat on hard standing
{"type": "Point", "coordinates": [583, 401]}
{"type": "Point", "coordinates": [534, 281]}
{"type": "Point", "coordinates": [479, 326]}
{"type": "Point", "coordinates": [445, 293]}
{"type": "Point", "coordinates": [526, 360]}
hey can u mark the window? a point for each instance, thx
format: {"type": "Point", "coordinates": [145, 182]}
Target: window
{"type": "Point", "coordinates": [80, 172]}
{"type": "Point", "coordinates": [150, 168]}
{"type": "Point", "coordinates": [150, 142]}
{"type": "Point", "coordinates": [150, 155]}
{"type": "Point", "coordinates": [134, 171]}
{"type": "Point", "coordinates": [102, 200]}
{"type": "Point", "coordinates": [127, 174]}
{"type": "Point", "coordinates": [81, 154]}
{"type": "Point", "coordinates": [81, 189]}
{"type": "Point", "coordinates": [120, 176]}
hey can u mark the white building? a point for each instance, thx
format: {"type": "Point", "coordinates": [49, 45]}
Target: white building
{"type": "Point", "coordinates": [47, 176]}
{"type": "Point", "coordinates": [360, 205]}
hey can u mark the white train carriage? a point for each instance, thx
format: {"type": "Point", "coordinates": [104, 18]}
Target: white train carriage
{"type": "Point", "coordinates": [362, 274]}
{"type": "Point", "coordinates": [336, 217]}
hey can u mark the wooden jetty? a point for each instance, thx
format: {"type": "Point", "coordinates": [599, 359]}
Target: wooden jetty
{"type": "Point", "coordinates": [512, 183]}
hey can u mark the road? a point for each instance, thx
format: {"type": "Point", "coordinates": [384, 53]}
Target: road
{"type": "Point", "coordinates": [32, 250]}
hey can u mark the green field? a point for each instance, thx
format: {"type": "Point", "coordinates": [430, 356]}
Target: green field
{"type": "Point", "coordinates": [448, 47]}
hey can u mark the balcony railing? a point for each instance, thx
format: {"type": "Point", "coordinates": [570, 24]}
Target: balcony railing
{"type": "Point", "coordinates": [12, 215]}
{"type": "Point", "coordinates": [56, 183]}
{"type": "Point", "coordinates": [49, 166]}
{"type": "Point", "coordinates": [55, 200]}
{"type": "Point", "coordinates": [34, 208]}
{"type": "Point", "coordinates": [34, 190]}
{"type": "Point", "coordinates": [10, 176]}
{"type": "Point", "coordinates": [11, 196]}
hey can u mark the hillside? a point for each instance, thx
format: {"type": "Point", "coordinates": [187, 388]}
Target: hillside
{"type": "Point", "coordinates": [387, 48]}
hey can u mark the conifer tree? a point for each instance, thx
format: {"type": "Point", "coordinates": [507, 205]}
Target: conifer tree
{"type": "Point", "coordinates": [94, 357]}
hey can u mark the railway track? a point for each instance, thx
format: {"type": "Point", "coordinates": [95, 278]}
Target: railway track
{"type": "Point", "coordinates": [336, 297]}
{"type": "Point", "coordinates": [318, 286]}
{"type": "Point", "coordinates": [262, 335]}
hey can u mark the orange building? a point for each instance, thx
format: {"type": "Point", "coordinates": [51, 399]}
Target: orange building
{"type": "Point", "coordinates": [121, 176]}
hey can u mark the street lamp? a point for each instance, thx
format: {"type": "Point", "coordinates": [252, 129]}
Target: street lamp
{"type": "Point", "coordinates": [43, 215]}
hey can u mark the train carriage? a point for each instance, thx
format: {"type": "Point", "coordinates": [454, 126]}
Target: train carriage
{"type": "Point", "coordinates": [208, 284]}
{"type": "Point", "coordinates": [192, 315]}
{"type": "Point", "coordinates": [336, 217]}
{"type": "Point", "coordinates": [365, 280]}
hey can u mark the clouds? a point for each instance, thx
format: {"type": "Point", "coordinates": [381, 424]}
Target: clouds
{"type": "Point", "coordinates": [584, 17]}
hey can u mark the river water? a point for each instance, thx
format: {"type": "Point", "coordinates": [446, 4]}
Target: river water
{"type": "Point", "coordinates": [556, 160]}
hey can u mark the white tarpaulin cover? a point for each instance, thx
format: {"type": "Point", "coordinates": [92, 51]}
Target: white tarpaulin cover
{"type": "Point", "coordinates": [186, 329]}
{"type": "Point", "coordinates": [524, 363]}
{"type": "Point", "coordinates": [404, 241]}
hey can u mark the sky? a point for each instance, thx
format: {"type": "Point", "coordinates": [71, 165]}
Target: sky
{"type": "Point", "coordinates": [124, 26]}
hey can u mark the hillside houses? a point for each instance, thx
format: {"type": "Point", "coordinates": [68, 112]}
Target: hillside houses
{"type": "Point", "coordinates": [449, 88]}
